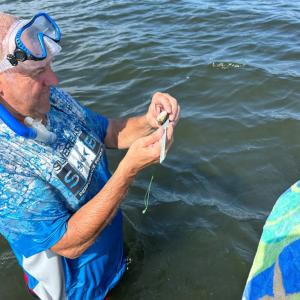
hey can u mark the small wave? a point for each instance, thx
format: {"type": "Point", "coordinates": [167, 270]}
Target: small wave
{"type": "Point", "coordinates": [226, 65]}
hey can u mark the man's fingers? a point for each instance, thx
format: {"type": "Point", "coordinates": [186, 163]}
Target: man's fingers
{"type": "Point", "coordinates": [170, 131]}
{"type": "Point", "coordinates": [166, 105]}
{"type": "Point", "coordinates": [174, 106]}
{"type": "Point", "coordinates": [164, 101]}
{"type": "Point", "coordinates": [152, 138]}
{"type": "Point", "coordinates": [177, 115]}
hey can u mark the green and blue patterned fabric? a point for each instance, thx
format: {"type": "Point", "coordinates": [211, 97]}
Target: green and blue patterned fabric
{"type": "Point", "coordinates": [275, 273]}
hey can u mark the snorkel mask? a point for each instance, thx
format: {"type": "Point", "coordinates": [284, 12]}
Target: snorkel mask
{"type": "Point", "coordinates": [30, 44]}
{"type": "Point", "coordinates": [27, 46]}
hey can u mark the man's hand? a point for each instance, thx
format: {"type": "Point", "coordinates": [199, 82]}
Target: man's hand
{"type": "Point", "coordinates": [146, 151]}
{"type": "Point", "coordinates": [159, 103]}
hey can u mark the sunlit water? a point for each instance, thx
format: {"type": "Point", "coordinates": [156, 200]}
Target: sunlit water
{"type": "Point", "coordinates": [234, 67]}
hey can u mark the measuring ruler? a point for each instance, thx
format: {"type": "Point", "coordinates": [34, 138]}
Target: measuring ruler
{"type": "Point", "coordinates": [163, 142]}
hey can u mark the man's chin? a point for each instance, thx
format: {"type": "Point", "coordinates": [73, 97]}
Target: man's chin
{"type": "Point", "coordinates": [47, 93]}
{"type": "Point", "coordinates": [44, 106]}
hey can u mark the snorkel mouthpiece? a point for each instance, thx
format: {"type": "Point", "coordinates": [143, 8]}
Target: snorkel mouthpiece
{"type": "Point", "coordinates": [42, 133]}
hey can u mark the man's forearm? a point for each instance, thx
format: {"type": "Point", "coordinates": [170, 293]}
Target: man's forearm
{"type": "Point", "coordinates": [123, 132]}
{"type": "Point", "coordinates": [86, 224]}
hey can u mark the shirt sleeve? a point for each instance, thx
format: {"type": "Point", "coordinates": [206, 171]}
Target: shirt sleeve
{"type": "Point", "coordinates": [33, 215]}
{"type": "Point", "coordinates": [96, 121]}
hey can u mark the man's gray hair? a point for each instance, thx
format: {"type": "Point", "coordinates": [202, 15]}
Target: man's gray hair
{"type": "Point", "coordinates": [6, 21]}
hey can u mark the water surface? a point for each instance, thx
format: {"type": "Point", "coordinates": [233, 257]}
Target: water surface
{"type": "Point", "coordinates": [234, 67]}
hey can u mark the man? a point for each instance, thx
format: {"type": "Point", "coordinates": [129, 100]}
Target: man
{"type": "Point", "coordinates": [58, 201]}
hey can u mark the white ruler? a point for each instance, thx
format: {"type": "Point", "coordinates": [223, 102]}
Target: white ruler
{"type": "Point", "coordinates": [163, 142]}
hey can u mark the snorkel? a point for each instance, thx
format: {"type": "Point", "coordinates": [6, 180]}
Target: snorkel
{"type": "Point", "coordinates": [28, 44]}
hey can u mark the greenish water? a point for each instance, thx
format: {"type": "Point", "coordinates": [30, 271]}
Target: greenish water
{"type": "Point", "coordinates": [234, 67]}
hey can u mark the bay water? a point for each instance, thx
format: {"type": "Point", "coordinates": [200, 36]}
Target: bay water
{"type": "Point", "coordinates": [234, 67]}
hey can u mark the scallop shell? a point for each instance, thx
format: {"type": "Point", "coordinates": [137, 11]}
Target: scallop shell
{"type": "Point", "coordinates": [162, 117]}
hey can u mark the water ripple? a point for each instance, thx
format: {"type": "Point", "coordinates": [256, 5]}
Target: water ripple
{"type": "Point", "coordinates": [235, 68]}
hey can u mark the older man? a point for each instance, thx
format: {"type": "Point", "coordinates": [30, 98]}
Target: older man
{"type": "Point", "coordinates": [58, 201]}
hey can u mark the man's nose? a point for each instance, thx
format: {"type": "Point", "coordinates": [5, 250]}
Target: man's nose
{"type": "Point", "coordinates": [50, 78]}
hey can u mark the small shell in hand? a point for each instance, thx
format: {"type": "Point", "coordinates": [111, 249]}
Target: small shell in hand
{"type": "Point", "coordinates": [162, 117]}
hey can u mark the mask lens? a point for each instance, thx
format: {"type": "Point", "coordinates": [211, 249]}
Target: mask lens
{"type": "Point", "coordinates": [33, 36]}
{"type": "Point", "coordinates": [30, 40]}
{"type": "Point", "coordinates": [46, 27]}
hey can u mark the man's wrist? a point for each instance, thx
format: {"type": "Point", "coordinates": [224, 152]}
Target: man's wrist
{"type": "Point", "coordinates": [126, 169]}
